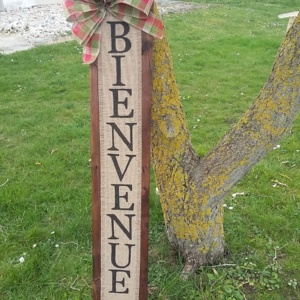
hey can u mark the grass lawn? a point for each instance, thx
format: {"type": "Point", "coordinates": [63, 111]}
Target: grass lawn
{"type": "Point", "coordinates": [222, 56]}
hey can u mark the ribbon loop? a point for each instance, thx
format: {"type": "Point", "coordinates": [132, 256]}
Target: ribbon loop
{"type": "Point", "coordinates": [87, 16]}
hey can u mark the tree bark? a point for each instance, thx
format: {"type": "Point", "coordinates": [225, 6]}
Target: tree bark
{"type": "Point", "coordinates": [192, 188]}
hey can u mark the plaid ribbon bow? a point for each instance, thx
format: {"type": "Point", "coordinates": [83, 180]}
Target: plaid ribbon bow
{"type": "Point", "coordinates": [87, 16]}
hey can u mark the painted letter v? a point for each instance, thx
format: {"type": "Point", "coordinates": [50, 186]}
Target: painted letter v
{"type": "Point", "coordinates": [117, 166]}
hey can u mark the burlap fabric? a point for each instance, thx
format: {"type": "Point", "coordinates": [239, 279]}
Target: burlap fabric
{"type": "Point", "coordinates": [130, 76]}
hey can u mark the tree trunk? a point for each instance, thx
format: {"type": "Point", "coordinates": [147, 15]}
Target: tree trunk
{"type": "Point", "coordinates": [192, 188]}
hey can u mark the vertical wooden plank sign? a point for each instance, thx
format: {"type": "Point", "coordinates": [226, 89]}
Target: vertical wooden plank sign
{"type": "Point", "coordinates": [116, 36]}
{"type": "Point", "coordinates": [120, 162]}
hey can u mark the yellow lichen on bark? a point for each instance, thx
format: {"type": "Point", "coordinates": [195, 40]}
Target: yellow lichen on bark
{"type": "Point", "coordinates": [191, 189]}
{"type": "Point", "coordinates": [183, 210]}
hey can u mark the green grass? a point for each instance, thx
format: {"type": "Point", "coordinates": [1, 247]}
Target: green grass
{"type": "Point", "coordinates": [222, 56]}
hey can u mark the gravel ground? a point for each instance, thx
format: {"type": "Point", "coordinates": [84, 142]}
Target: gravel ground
{"type": "Point", "coordinates": [24, 28]}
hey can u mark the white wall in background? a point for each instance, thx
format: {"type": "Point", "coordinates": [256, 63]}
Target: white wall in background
{"type": "Point", "coordinates": [27, 3]}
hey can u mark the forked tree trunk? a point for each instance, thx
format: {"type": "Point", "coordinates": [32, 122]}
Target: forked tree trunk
{"type": "Point", "coordinates": [192, 189]}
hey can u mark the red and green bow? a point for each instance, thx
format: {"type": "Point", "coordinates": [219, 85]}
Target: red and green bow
{"type": "Point", "coordinates": [87, 15]}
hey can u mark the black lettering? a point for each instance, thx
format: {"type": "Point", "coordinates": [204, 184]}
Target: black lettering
{"type": "Point", "coordinates": [116, 103]}
{"type": "Point", "coordinates": [118, 70]}
{"type": "Point", "coordinates": [115, 220]}
{"type": "Point", "coordinates": [125, 196]}
{"type": "Point", "coordinates": [114, 281]}
{"type": "Point", "coordinates": [121, 37]}
{"type": "Point", "coordinates": [115, 128]}
{"type": "Point", "coordinates": [114, 255]}
{"type": "Point", "coordinates": [117, 167]}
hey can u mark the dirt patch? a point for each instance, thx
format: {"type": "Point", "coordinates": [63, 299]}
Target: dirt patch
{"type": "Point", "coordinates": [166, 7]}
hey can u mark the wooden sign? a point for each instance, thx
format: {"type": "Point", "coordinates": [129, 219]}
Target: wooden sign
{"type": "Point", "coordinates": [120, 140]}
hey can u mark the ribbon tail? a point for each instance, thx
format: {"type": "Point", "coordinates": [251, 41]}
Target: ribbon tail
{"type": "Point", "coordinates": [153, 25]}
{"type": "Point", "coordinates": [83, 31]}
{"type": "Point", "coordinates": [92, 48]}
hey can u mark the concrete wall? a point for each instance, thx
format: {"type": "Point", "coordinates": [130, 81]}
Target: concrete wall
{"type": "Point", "coordinates": [18, 3]}
{"type": "Point", "coordinates": [26, 3]}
